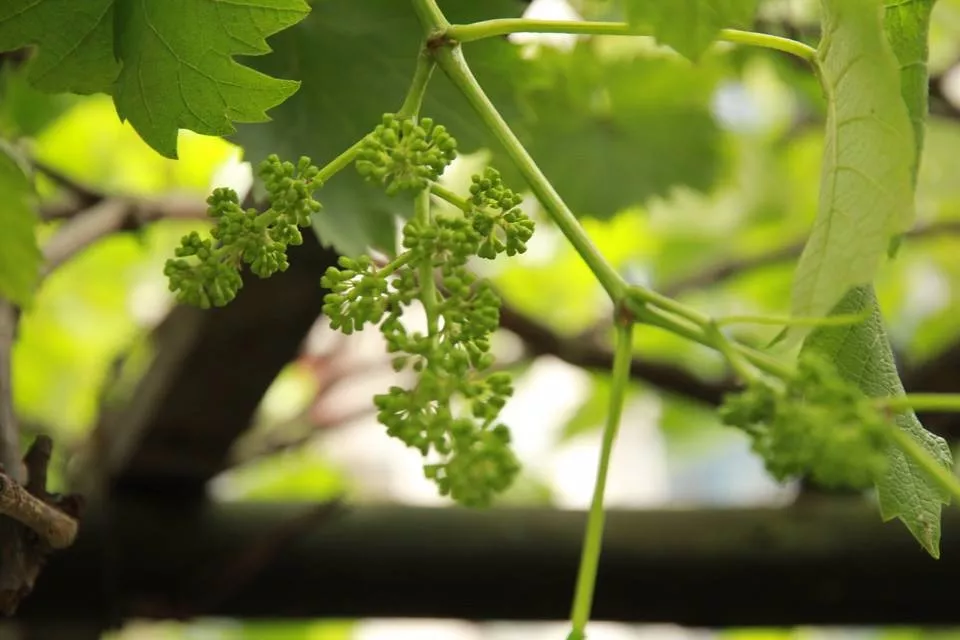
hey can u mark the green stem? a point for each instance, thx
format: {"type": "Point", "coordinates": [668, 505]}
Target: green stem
{"type": "Point", "coordinates": [391, 267]}
{"type": "Point", "coordinates": [450, 59]}
{"type": "Point", "coordinates": [655, 317]}
{"type": "Point", "coordinates": [791, 321]}
{"type": "Point", "coordinates": [445, 194]}
{"type": "Point", "coordinates": [942, 402]}
{"type": "Point", "coordinates": [428, 285]}
{"type": "Point", "coordinates": [938, 473]}
{"type": "Point", "coordinates": [339, 163]}
{"type": "Point", "coordinates": [494, 28]}
{"type": "Point", "coordinates": [431, 17]}
{"type": "Point", "coordinates": [418, 86]}
{"type": "Point", "coordinates": [593, 537]}
{"type": "Point", "coordinates": [644, 295]}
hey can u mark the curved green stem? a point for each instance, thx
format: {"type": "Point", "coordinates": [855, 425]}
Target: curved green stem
{"type": "Point", "coordinates": [418, 86]}
{"type": "Point", "coordinates": [339, 163]}
{"type": "Point", "coordinates": [593, 538]}
{"type": "Point", "coordinates": [922, 458]}
{"type": "Point", "coordinates": [502, 27]}
{"type": "Point", "coordinates": [449, 196]}
{"type": "Point", "coordinates": [450, 59]}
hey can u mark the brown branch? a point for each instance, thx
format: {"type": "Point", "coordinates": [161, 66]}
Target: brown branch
{"type": "Point", "coordinates": [9, 429]}
{"type": "Point", "coordinates": [541, 340]}
{"type": "Point", "coordinates": [54, 526]}
{"type": "Point", "coordinates": [111, 215]}
{"type": "Point", "coordinates": [82, 196]}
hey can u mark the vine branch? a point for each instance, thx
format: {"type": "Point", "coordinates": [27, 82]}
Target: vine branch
{"type": "Point", "coordinates": [505, 26]}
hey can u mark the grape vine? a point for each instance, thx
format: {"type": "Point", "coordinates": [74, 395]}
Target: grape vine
{"type": "Point", "coordinates": [810, 418]}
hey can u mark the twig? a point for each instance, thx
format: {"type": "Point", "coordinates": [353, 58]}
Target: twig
{"type": "Point", "coordinates": [541, 340]}
{"type": "Point", "coordinates": [82, 195]}
{"type": "Point", "coordinates": [54, 526]}
{"type": "Point", "coordinates": [9, 430]}
{"type": "Point", "coordinates": [111, 215]}
{"type": "Point", "coordinates": [722, 271]}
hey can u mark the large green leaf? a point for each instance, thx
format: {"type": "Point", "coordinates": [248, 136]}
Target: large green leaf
{"type": "Point", "coordinates": [866, 192]}
{"type": "Point", "coordinates": [19, 255]}
{"type": "Point", "coordinates": [689, 26]}
{"type": "Point", "coordinates": [862, 354]}
{"type": "Point", "coordinates": [168, 63]}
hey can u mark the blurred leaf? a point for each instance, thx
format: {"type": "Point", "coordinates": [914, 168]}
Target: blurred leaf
{"type": "Point", "coordinates": [20, 256]}
{"type": "Point", "coordinates": [590, 415]}
{"type": "Point", "coordinates": [611, 133]}
{"type": "Point", "coordinates": [25, 110]}
{"type": "Point", "coordinates": [689, 26]}
{"type": "Point", "coordinates": [89, 144]}
{"type": "Point", "coordinates": [293, 475]}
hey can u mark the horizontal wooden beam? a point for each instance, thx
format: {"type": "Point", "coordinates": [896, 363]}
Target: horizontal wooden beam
{"type": "Point", "coordinates": [825, 562]}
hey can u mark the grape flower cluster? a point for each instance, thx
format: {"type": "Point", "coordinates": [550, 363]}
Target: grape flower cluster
{"type": "Point", "coordinates": [450, 414]}
{"type": "Point", "coordinates": [402, 154]}
{"type": "Point", "coordinates": [206, 271]}
{"type": "Point", "coordinates": [817, 423]}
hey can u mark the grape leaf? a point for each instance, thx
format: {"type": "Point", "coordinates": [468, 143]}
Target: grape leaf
{"type": "Point", "coordinates": [75, 38]}
{"type": "Point", "coordinates": [168, 63]}
{"type": "Point", "coordinates": [689, 26]}
{"type": "Point", "coordinates": [863, 355]}
{"type": "Point", "coordinates": [19, 254]}
{"type": "Point", "coordinates": [866, 194]}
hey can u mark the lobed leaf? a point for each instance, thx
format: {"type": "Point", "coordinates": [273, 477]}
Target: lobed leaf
{"type": "Point", "coordinates": [20, 256]}
{"type": "Point", "coordinates": [689, 26]}
{"type": "Point", "coordinates": [866, 193]}
{"type": "Point", "coordinates": [168, 63]}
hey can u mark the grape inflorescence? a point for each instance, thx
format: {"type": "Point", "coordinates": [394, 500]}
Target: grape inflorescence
{"type": "Point", "coordinates": [816, 423]}
{"type": "Point", "coordinates": [450, 413]}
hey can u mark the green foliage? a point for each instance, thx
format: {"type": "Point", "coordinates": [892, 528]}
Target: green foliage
{"type": "Point", "coordinates": [690, 26]}
{"type": "Point", "coordinates": [168, 63]}
{"type": "Point", "coordinates": [451, 411]}
{"type": "Point", "coordinates": [818, 423]}
{"type": "Point", "coordinates": [20, 256]}
{"type": "Point", "coordinates": [588, 146]}
{"type": "Point", "coordinates": [585, 145]}
{"type": "Point", "coordinates": [360, 56]}
{"type": "Point", "coordinates": [866, 192]}
{"type": "Point", "coordinates": [258, 239]}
